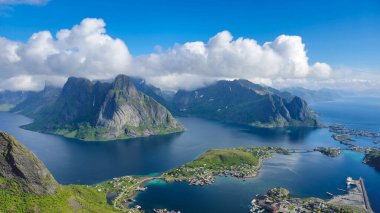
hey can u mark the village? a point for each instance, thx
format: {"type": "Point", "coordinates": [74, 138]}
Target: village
{"type": "Point", "coordinates": [201, 172]}
{"type": "Point", "coordinates": [279, 200]}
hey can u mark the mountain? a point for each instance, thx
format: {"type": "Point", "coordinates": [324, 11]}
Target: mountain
{"type": "Point", "coordinates": [162, 97]}
{"type": "Point", "coordinates": [243, 102]}
{"type": "Point", "coordinates": [26, 185]}
{"type": "Point", "coordinates": [35, 102]}
{"type": "Point", "coordinates": [316, 95]}
{"type": "Point", "coordinates": [104, 111]}
{"type": "Point", "coordinates": [19, 164]}
{"type": "Point", "coordinates": [9, 99]}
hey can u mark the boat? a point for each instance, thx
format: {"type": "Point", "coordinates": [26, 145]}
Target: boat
{"type": "Point", "coordinates": [349, 181]}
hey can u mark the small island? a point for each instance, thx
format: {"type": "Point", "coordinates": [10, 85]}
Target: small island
{"type": "Point", "coordinates": [329, 151]}
{"type": "Point", "coordinates": [373, 159]}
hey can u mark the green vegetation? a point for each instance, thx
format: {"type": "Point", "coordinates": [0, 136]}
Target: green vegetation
{"type": "Point", "coordinates": [6, 107]}
{"type": "Point", "coordinates": [373, 159]}
{"type": "Point", "coordinates": [329, 151]}
{"type": "Point", "coordinates": [216, 158]}
{"type": "Point", "coordinates": [239, 162]}
{"type": "Point", "coordinates": [72, 198]}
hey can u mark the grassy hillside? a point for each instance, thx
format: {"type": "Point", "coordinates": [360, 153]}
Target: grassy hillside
{"type": "Point", "coordinates": [72, 198]}
{"type": "Point", "coordinates": [224, 158]}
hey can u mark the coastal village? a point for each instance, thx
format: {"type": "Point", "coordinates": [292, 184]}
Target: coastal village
{"type": "Point", "coordinates": [242, 162]}
{"type": "Point", "coordinates": [203, 172]}
{"type": "Point", "coordinates": [279, 200]}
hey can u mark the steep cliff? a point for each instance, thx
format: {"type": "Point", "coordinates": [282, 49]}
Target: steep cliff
{"type": "Point", "coordinates": [104, 111]}
{"type": "Point", "coordinates": [18, 163]}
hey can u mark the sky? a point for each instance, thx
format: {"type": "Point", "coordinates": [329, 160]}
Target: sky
{"type": "Point", "coordinates": [188, 44]}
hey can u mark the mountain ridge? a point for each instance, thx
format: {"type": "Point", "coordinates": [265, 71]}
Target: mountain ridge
{"type": "Point", "coordinates": [104, 111]}
{"type": "Point", "coordinates": [243, 102]}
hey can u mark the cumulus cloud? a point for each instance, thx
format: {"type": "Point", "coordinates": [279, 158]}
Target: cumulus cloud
{"type": "Point", "coordinates": [84, 50]}
{"type": "Point", "coordinates": [87, 50]}
{"type": "Point", "coordinates": [222, 57]}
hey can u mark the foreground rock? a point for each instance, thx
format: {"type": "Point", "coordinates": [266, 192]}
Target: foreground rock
{"type": "Point", "coordinates": [26, 185]}
{"type": "Point", "coordinates": [104, 111]}
{"type": "Point", "coordinates": [18, 163]}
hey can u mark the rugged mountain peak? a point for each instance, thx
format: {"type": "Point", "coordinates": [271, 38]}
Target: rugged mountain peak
{"type": "Point", "coordinates": [122, 82]}
{"type": "Point", "coordinates": [17, 162]}
{"type": "Point", "coordinates": [105, 111]}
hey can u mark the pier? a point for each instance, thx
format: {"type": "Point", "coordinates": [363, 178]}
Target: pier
{"type": "Point", "coordinates": [365, 196]}
{"type": "Point", "coordinates": [356, 197]}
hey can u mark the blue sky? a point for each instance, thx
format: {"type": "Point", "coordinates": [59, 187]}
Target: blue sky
{"type": "Point", "coordinates": [341, 33]}
{"type": "Point", "coordinates": [178, 44]}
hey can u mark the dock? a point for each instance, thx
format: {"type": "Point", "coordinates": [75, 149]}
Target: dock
{"type": "Point", "coordinates": [356, 197]}
{"type": "Point", "coordinates": [365, 196]}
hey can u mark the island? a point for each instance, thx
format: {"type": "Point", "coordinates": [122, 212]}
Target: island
{"type": "Point", "coordinates": [329, 151]}
{"type": "Point", "coordinates": [372, 158]}
{"type": "Point", "coordinates": [344, 134]}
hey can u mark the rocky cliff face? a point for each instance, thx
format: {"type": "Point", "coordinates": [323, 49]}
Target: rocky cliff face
{"type": "Point", "coordinates": [103, 111]}
{"type": "Point", "coordinates": [243, 102]}
{"type": "Point", "coordinates": [17, 162]}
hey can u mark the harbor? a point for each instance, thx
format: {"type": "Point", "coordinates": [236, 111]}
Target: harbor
{"type": "Point", "coordinates": [279, 200]}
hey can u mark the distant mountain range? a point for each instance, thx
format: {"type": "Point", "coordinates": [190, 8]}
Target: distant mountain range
{"type": "Point", "coordinates": [9, 99]}
{"type": "Point", "coordinates": [243, 102]}
{"type": "Point", "coordinates": [130, 107]}
{"type": "Point", "coordinates": [99, 111]}
{"type": "Point", "coordinates": [317, 95]}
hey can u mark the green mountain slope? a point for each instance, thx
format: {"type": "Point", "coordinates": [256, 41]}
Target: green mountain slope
{"type": "Point", "coordinates": [26, 185]}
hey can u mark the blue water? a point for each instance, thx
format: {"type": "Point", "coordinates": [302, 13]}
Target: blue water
{"type": "Point", "coordinates": [73, 161]}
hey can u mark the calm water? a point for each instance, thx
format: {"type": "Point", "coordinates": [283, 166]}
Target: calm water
{"type": "Point", "coordinates": [73, 161]}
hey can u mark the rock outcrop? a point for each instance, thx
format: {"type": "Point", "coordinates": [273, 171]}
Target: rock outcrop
{"type": "Point", "coordinates": [17, 162]}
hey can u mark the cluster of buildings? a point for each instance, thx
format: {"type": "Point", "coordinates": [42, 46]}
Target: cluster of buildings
{"type": "Point", "coordinates": [266, 203]}
{"type": "Point", "coordinates": [165, 211]}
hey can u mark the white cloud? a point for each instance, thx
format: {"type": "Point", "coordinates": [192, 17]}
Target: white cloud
{"type": "Point", "coordinates": [224, 58]}
{"type": "Point", "coordinates": [87, 50]}
{"type": "Point", "coordinates": [30, 2]}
